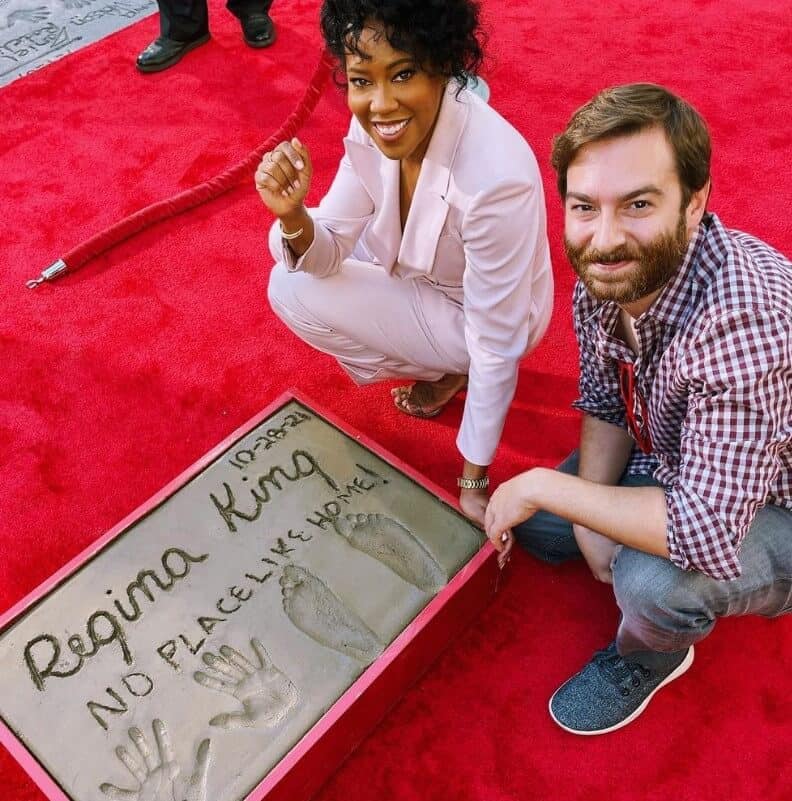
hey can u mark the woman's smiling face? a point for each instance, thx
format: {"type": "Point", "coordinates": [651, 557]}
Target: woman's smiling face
{"type": "Point", "coordinates": [393, 98]}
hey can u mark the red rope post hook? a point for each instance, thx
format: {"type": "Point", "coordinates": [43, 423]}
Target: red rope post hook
{"type": "Point", "coordinates": [196, 195]}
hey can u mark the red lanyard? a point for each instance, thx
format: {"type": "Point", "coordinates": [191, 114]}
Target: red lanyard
{"type": "Point", "coordinates": [637, 414]}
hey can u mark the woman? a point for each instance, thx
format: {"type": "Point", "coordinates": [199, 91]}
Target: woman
{"type": "Point", "coordinates": [428, 257]}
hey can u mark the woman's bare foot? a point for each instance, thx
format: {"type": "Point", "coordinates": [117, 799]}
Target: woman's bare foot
{"type": "Point", "coordinates": [427, 398]}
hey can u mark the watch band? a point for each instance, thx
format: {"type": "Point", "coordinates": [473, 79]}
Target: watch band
{"type": "Point", "coordinates": [473, 483]}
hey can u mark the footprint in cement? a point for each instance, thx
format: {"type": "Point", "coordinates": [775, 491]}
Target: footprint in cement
{"type": "Point", "coordinates": [395, 546]}
{"type": "Point", "coordinates": [318, 612]}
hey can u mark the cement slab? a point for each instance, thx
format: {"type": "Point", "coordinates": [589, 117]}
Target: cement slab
{"type": "Point", "coordinates": [187, 656]}
{"type": "Point", "coordinates": [37, 32]}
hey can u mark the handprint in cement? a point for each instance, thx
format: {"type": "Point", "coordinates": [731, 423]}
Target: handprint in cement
{"type": "Point", "coordinates": [13, 11]}
{"type": "Point", "coordinates": [265, 694]}
{"type": "Point", "coordinates": [158, 775]}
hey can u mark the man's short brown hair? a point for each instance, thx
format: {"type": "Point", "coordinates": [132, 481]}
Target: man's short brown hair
{"type": "Point", "coordinates": [629, 109]}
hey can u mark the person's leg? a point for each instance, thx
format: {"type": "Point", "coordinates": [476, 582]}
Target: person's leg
{"type": "Point", "coordinates": [665, 611]}
{"type": "Point", "coordinates": [547, 536]}
{"type": "Point", "coordinates": [183, 20]}
{"type": "Point", "coordinates": [374, 325]}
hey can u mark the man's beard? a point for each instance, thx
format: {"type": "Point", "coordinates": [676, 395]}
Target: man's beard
{"type": "Point", "coordinates": [657, 262]}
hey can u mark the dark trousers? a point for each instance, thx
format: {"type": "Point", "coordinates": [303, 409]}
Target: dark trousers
{"type": "Point", "coordinates": [185, 20]}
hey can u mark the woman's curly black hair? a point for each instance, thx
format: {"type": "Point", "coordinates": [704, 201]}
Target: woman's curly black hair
{"type": "Point", "coordinates": [442, 35]}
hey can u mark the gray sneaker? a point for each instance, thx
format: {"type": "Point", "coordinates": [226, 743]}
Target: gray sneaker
{"type": "Point", "coordinates": [611, 692]}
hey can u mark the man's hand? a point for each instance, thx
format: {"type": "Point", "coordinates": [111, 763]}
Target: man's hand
{"type": "Point", "coordinates": [510, 504]}
{"type": "Point", "coordinates": [283, 178]}
{"type": "Point", "coordinates": [598, 552]}
{"type": "Point", "coordinates": [474, 503]}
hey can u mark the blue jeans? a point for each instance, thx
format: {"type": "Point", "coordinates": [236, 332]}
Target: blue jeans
{"type": "Point", "coordinates": [667, 609]}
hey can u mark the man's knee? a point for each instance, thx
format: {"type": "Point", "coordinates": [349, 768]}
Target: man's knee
{"type": "Point", "coordinates": [547, 537]}
{"type": "Point", "coordinates": [652, 589]}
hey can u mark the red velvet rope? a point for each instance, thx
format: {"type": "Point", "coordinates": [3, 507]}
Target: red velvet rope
{"type": "Point", "coordinates": [208, 190]}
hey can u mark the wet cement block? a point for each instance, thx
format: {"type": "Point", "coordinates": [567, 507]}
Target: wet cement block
{"type": "Point", "coordinates": [201, 643]}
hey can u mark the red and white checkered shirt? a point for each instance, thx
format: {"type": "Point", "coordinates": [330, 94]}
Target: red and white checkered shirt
{"type": "Point", "coordinates": [715, 370]}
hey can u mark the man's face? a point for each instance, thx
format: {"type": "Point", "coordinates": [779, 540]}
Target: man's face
{"type": "Point", "coordinates": [626, 232]}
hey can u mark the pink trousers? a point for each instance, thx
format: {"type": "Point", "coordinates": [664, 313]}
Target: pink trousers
{"type": "Point", "coordinates": [375, 325]}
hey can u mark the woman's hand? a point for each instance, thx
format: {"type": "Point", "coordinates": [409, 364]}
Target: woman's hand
{"type": "Point", "coordinates": [283, 178]}
{"type": "Point", "coordinates": [474, 503]}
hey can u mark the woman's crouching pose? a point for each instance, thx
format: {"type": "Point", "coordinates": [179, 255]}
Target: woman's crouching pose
{"type": "Point", "coordinates": [428, 257]}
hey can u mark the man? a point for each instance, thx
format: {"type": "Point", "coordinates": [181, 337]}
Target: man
{"type": "Point", "coordinates": [184, 25]}
{"type": "Point", "coordinates": [681, 492]}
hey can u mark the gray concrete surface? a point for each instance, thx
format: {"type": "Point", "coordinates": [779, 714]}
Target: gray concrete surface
{"type": "Point", "coordinates": [36, 32]}
{"type": "Point", "coordinates": [189, 655]}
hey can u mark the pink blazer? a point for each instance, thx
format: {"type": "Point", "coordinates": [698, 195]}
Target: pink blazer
{"type": "Point", "coordinates": [476, 229]}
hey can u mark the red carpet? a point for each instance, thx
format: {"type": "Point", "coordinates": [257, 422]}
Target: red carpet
{"type": "Point", "coordinates": [119, 377]}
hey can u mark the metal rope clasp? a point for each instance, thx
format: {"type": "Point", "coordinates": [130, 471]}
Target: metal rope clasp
{"type": "Point", "coordinates": [52, 272]}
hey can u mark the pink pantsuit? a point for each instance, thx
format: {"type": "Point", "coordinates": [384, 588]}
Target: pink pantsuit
{"type": "Point", "coordinates": [466, 288]}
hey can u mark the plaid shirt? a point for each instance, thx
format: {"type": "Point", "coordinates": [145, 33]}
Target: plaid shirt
{"type": "Point", "coordinates": [714, 368]}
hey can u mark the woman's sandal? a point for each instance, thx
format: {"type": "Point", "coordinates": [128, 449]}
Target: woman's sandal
{"type": "Point", "coordinates": [418, 410]}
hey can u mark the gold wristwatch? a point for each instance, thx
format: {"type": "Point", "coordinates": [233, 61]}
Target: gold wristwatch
{"type": "Point", "coordinates": [473, 483]}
